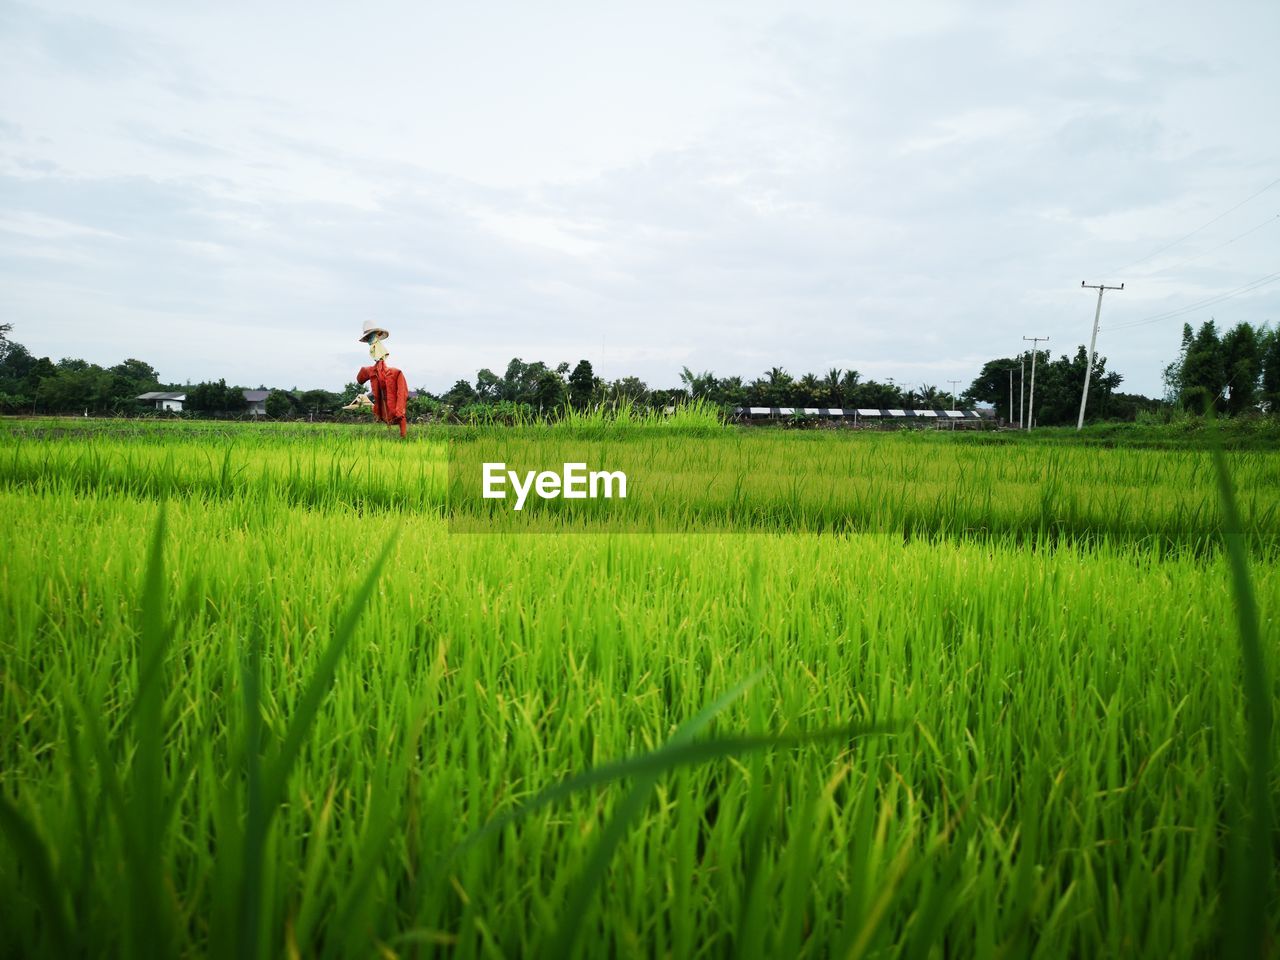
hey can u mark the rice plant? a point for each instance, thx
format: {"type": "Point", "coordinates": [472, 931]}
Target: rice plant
{"type": "Point", "coordinates": [260, 700]}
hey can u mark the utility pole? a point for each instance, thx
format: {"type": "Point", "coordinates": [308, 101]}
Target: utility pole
{"type": "Point", "coordinates": [953, 394]}
{"type": "Point", "coordinates": [1011, 394]}
{"type": "Point", "coordinates": [1022, 387]}
{"type": "Point", "coordinates": [1031, 398]}
{"type": "Point", "coordinates": [1088, 371]}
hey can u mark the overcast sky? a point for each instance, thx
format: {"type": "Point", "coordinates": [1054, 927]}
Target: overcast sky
{"type": "Point", "coordinates": [906, 189]}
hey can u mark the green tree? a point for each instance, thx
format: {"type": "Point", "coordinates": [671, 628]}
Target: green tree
{"type": "Point", "coordinates": [582, 385]}
{"type": "Point", "coordinates": [831, 392]}
{"type": "Point", "coordinates": [1204, 372]}
{"type": "Point", "coordinates": [849, 381]}
{"type": "Point", "coordinates": [534, 384]}
{"type": "Point", "coordinates": [20, 373]}
{"type": "Point", "coordinates": [280, 405]}
{"type": "Point", "coordinates": [488, 386]}
{"type": "Point", "coordinates": [76, 386]}
{"type": "Point", "coordinates": [550, 390]}
{"type": "Point", "coordinates": [731, 391]}
{"type": "Point", "coordinates": [871, 393]}
{"type": "Point", "coordinates": [139, 373]}
{"type": "Point", "coordinates": [1059, 384]}
{"type": "Point", "coordinates": [991, 385]}
{"type": "Point", "coordinates": [125, 381]}
{"type": "Point", "coordinates": [313, 403]}
{"type": "Point", "coordinates": [520, 381]}
{"type": "Point", "coordinates": [1242, 358]}
{"type": "Point", "coordinates": [774, 389]}
{"type": "Point", "coordinates": [628, 388]}
{"type": "Point", "coordinates": [1173, 371]}
{"type": "Point", "coordinates": [39, 371]}
{"type": "Point", "coordinates": [460, 394]}
{"type": "Point", "coordinates": [701, 385]}
{"type": "Point", "coordinates": [1271, 370]}
{"type": "Point", "coordinates": [215, 398]}
{"type": "Point", "coordinates": [808, 391]}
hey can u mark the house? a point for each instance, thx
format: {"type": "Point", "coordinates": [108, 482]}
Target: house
{"type": "Point", "coordinates": [164, 401]}
{"type": "Point", "coordinates": [255, 401]}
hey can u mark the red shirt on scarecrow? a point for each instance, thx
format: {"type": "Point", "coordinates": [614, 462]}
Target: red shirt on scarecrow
{"type": "Point", "coordinates": [387, 384]}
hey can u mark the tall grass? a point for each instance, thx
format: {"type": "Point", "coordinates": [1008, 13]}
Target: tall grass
{"type": "Point", "coordinates": [423, 744]}
{"type": "Point", "coordinates": [1254, 871]}
{"type": "Point", "coordinates": [910, 486]}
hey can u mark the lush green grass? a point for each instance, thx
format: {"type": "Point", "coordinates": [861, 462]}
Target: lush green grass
{"type": "Point", "coordinates": [909, 484]}
{"type": "Point", "coordinates": [1181, 432]}
{"type": "Point", "coordinates": [1065, 762]}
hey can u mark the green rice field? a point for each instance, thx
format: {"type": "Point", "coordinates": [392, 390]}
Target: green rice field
{"type": "Point", "coordinates": [823, 694]}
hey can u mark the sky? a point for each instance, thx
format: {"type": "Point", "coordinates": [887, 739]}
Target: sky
{"type": "Point", "coordinates": [908, 189]}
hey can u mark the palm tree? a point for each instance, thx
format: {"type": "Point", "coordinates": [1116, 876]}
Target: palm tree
{"type": "Point", "coordinates": [808, 387]}
{"type": "Point", "coordinates": [732, 391]}
{"type": "Point", "coordinates": [778, 385]}
{"type": "Point", "coordinates": [831, 388]}
{"type": "Point", "coordinates": [699, 384]}
{"type": "Point", "coordinates": [849, 383]}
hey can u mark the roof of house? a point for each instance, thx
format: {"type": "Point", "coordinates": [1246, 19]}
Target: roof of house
{"type": "Point", "coordinates": [255, 396]}
{"type": "Point", "coordinates": [865, 412]}
{"type": "Point", "coordinates": [161, 395]}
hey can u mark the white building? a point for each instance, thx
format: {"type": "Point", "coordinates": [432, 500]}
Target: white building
{"type": "Point", "coordinates": [255, 401]}
{"type": "Point", "coordinates": [164, 401]}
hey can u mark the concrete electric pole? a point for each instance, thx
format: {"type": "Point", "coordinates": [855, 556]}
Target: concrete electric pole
{"type": "Point", "coordinates": [1022, 387]}
{"type": "Point", "coordinates": [1031, 398]}
{"type": "Point", "coordinates": [1088, 371]}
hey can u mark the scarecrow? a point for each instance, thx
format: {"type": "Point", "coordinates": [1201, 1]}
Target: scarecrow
{"type": "Point", "coordinates": [386, 383]}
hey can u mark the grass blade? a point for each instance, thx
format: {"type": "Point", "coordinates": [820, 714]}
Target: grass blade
{"type": "Point", "coordinates": [257, 817]}
{"type": "Point", "coordinates": [321, 680]}
{"type": "Point", "coordinates": [32, 852]}
{"type": "Point", "coordinates": [1255, 892]}
{"type": "Point", "coordinates": [588, 880]}
{"type": "Point", "coordinates": [149, 916]}
{"type": "Point", "coordinates": [660, 761]}
{"type": "Point", "coordinates": [266, 782]}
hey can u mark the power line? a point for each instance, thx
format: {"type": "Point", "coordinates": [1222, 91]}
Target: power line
{"type": "Point", "coordinates": [1191, 308]}
{"type": "Point", "coordinates": [1208, 302]}
{"type": "Point", "coordinates": [1204, 253]}
{"type": "Point", "coordinates": [1202, 226]}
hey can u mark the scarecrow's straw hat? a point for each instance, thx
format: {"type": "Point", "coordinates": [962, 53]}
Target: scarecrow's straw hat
{"type": "Point", "coordinates": [371, 327]}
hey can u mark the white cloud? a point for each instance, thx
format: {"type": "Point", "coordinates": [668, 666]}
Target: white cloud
{"type": "Point", "coordinates": [891, 188]}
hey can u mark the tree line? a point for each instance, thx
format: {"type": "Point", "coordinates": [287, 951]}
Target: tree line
{"type": "Point", "coordinates": [1237, 372]}
{"type": "Point", "coordinates": [538, 386]}
{"type": "Point", "coordinates": [30, 384]}
{"type": "Point", "coordinates": [541, 387]}
{"type": "Point", "coordinates": [1005, 383]}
